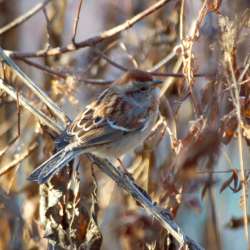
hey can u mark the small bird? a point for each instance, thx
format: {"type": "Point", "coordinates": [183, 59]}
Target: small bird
{"type": "Point", "coordinates": [114, 123]}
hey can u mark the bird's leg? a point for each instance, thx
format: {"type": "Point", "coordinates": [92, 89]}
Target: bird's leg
{"type": "Point", "coordinates": [122, 165]}
{"type": "Point", "coordinates": [124, 169]}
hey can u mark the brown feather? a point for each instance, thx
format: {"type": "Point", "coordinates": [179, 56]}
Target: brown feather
{"type": "Point", "coordinates": [134, 75]}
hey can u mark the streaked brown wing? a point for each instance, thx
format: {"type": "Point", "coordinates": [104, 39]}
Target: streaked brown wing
{"type": "Point", "coordinates": [98, 136]}
{"type": "Point", "coordinates": [102, 120]}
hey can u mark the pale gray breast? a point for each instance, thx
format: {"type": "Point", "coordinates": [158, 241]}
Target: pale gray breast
{"type": "Point", "coordinates": [128, 141]}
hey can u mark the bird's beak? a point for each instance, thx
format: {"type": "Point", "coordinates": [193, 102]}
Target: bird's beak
{"type": "Point", "coordinates": [156, 83]}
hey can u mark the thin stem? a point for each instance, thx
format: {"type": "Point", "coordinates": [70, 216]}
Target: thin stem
{"type": "Point", "coordinates": [115, 64]}
{"type": "Point", "coordinates": [170, 80]}
{"type": "Point", "coordinates": [76, 22]}
{"type": "Point", "coordinates": [6, 168]}
{"type": "Point", "coordinates": [44, 68]}
{"type": "Point", "coordinates": [163, 61]}
{"type": "Point", "coordinates": [36, 112]}
{"type": "Point", "coordinates": [94, 40]}
{"type": "Point", "coordinates": [181, 19]}
{"type": "Point", "coordinates": [162, 215]}
{"type": "Point", "coordinates": [62, 75]}
{"type": "Point", "coordinates": [240, 146]}
{"type": "Point", "coordinates": [244, 71]}
{"type": "Point", "coordinates": [37, 91]}
{"type": "Point", "coordinates": [21, 19]}
{"type": "Point", "coordinates": [217, 243]}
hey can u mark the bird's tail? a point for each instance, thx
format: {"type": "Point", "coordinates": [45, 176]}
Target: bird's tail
{"type": "Point", "coordinates": [51, 166]}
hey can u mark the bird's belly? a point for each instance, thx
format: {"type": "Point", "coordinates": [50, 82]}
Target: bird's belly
{"type": "Point", "coordinates": [126, 144]}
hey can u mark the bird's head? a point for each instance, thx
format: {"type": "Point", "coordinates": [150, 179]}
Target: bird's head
{"type": "Point", "coordinates": [138, 83]}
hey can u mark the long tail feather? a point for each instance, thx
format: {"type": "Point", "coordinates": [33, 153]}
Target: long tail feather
{"type": "Point", "coordinates": [54, 164]}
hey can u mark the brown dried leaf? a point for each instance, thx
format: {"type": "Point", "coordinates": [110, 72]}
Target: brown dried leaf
{"type": "Point", "coordinates": [226, 183]}
{"type": "Point", "coordinates": [198, 143]}
{"type": "Point", "coordinates": [214, 5]}
{"type": "Point", "coordinates": [7, 73]}
{"type": "Point", "coordinates": [228, 127]}
{"type": "Point", "coordinates": [246, 132]}
{"type": "Point", "coordinates": [233, 179]}
{"type": "Point", "coordinates": [204, 190]}
{"type": "Point", "coordinates": [236, 223]}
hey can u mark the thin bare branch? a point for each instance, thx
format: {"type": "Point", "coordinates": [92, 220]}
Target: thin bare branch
{"type": "Point", "coordinates": [245, 69]}
{"type": "Point", "coordinates": [182, 19]}
{"type": "Point", "coordinates": [94, 40]}
{"type": "Point", "coordinates": [21, 19]}
{"type": "Point", "coordinates": [36, 90]}
{"type": "Point", "coordinates": [129, 56]}
{"type": "Point", "coordinates": [49, 31]}
{"type": "Point", "coordinates": [240, 144]}
{"type": "Point", "coordinates": [163, 61]}
{"type": "Point", "coordinates": [170, 80]}
{"type": "Point", "coordinates": [44, 68]}
{"type": "Point", "coordinates": [100, 82]}
{"type": "Point", "coordinates": [162, 215]}
{"type": "Point", "coordinates": [152, 70]}
{"type": "Point", "coordinates": [113, 63]}
{"type": "Point", "coordinates": [76, 21]}
{"type": "Point", "coordinates": [63, 75]}
{"type": "Point", "coordinates": [17, 160]}
{"type": "Point", "coordinates": [36, 112]}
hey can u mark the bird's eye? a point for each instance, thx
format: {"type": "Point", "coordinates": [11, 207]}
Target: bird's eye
{"type": "Point", "coordinates": [144, 88]}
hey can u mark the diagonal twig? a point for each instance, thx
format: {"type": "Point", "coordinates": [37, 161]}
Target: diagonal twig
{"type": "Point", "coordinates": [162, 215]}
{"type": "Point", "coordinates": [21, 19]}
{"type": "Point", "coordinates": [21, 157]}
{"type": "Point", "coordinates": [235, 94]}
{"type": "Point", "coordinates": [26, 104]}
{"type": "Point", "coordinates": [36, 90]}
{"type": "Point", "coordinates": [76, 21]}
{"type": "Point", "coordinates": [110, 33]}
